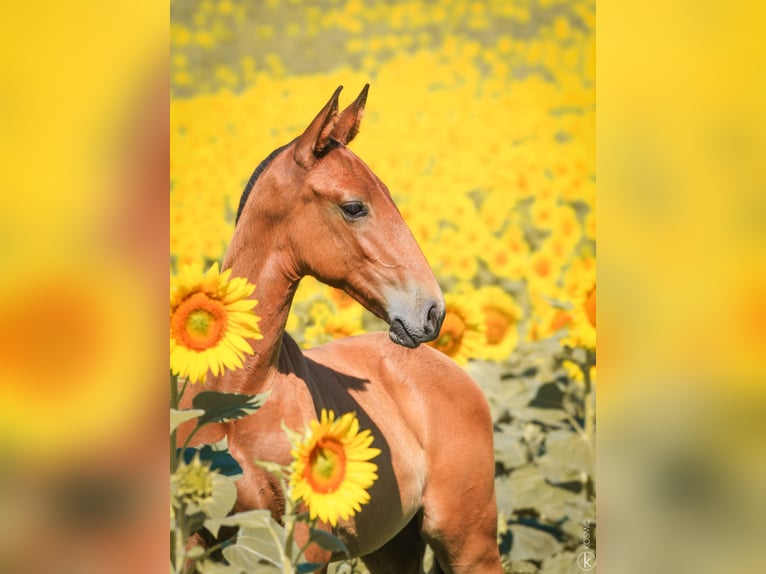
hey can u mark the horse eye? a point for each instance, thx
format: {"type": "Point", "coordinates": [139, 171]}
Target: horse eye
{"type": "Point", "coordinates": [354, 209]}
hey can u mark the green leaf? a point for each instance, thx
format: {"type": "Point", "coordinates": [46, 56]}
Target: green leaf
{"type": "Point", "coordinates": [327, 541]}
{"type": "Point", "coordinates": [178, 417]}
{"type": "Point", "coordinates": [550, 417]}
{"type": "Point", "coordinates": [527, 488]}
{"type": "Point", "coordinates": [504, 494]}
{"type": "Point", "coordinates": [572, 451]}
{"type": "Point", "coordinates": [243, 560]}
{"type": "Point", "coordinates": [224, 407]}
{"type": "Point", "coordinates": [260, 539]}
{"type": "Point", "coordinates": [531, 543]}
{"type": "Point", "coordinates": [524, 567]}
{"type": "Point", "coordinates": [255, 545]}
{"type": "Point", "coordinates": [211, 567]}
{"type": "Point", "coordinates": [509, 448]}
{"type": "Point", "coordinates": [249, 519]}
{"type": "Point", "coordinates": [246, 558]}
{"type": "Point", "coordinates": [560, 563]}
{"type": "Point", "coordinates": [194, 521]}
{"type": "Point", "coordinates": [308, 567]}
{"type": "Point", "coordinates": [223, 498]}
{"type": "Point", "coordinates": [504, 394]}
{"type": "Point", "coordinates": [195, 552]}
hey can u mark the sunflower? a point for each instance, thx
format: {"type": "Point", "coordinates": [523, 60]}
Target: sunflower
{"type": "Point", "coordinates": [590, 225]}
{"type": "Point", "coordinates": [462, 332]}
{"type": "Point", "coordinates": [496, 210]}
{"type": "Point", "coordinates": [308, 290]}
{"type": "Point", "coordinates": [583, 328]}
{"type": "Point", "coordinates": [575, 371]}
{"type": "Point", "coordinates": [544, 214]}
{"type": "Point", "coordinates": [501, 314]}
{"type": "Point", "coordinates": [549, 314]}
{"type": "Point", "coordinates": [341, 299]}
{"type": "Point", "coordinates": [331, 470]}
{"type": "Point", "coordinates": [210, 319]}
{"type": "Point", "coordinates": [506, 257]}
{"type": "Point", "coordinates": [192, 482]}
{"type": "Point", "coordinates": [581, 271]}
{"type": "Point", "coordinates": [456, 256]}
{"type": "Point", "coordinates": [418, 214]}
{"type": "Point", "coordinates": [543, 268]}
{"type": "Point", "coordinates": [580, 293]}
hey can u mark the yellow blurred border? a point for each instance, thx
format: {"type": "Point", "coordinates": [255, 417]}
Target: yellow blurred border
{"type": "Point", "coordinates": [83, 298]}
{"type": "Point", "coordinates": [682, 276]}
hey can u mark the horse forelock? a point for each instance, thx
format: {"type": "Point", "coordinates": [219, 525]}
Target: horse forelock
{"type": "Point", "coordinates": [254, 177]}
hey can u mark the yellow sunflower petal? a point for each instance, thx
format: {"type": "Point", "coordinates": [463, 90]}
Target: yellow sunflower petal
{"type": "Point", "coordinates": [331, 472]}
{"type": "Point", "coordinates": [211, 318]}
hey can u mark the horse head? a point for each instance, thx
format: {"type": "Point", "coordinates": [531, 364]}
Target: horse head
{"type": "Point", "coordinates": [334, 219]}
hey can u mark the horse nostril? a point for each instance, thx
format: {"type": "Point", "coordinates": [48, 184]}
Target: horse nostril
{"type": "Point", "coordinates": [434, 321]}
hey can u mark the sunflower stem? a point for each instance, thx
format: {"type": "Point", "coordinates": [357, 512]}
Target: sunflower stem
{"type": "Point", "coordinates": [590, 396]}
{"type": "Point", "coordinates": [290, 521]}
{"type": "Point", "coordinates": [590, 405]}
{"type": "Point", "coordinates": [188, 438]}
{"type": "Point", "coordinates": [576, 426]}
{"type": "Point", "coordinates": [183, 390]}
{"type": "Point", "coordinates": [218, 546]}
{"type": "Point", "coordinates": [174, 399]}
{"type": "Point", "coordinates": [302, 552]}
{"type": "Point", "coordinates": [180, 540]}
{"type": "Point", "coordinates": [290, 529]}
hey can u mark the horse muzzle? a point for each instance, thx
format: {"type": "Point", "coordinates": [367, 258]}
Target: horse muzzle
{"type": "Point", "coordinates": [411, 334]}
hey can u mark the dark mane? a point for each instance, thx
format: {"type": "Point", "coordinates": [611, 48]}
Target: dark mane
{"type": "Point", "coordinates": [253, 178]}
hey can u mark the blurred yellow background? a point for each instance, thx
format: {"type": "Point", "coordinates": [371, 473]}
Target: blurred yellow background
{"type": "Point", "coordinates": [682, 230]}
{"type": "Point", "coordinates": [83, 296]}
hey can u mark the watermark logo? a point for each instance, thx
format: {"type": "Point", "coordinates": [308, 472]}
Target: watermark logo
{"type": "Point", "coordinates": [586, 560]}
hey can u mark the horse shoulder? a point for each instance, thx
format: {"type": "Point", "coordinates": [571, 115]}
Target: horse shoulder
{"type": "Point", "coordinates": [451, 401]}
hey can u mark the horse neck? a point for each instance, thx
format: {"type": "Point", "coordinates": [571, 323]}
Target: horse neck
{"type": "Point", "coordinates": [275, 283]}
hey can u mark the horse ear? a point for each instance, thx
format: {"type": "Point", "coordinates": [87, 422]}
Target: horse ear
{"type": "Point", "coordinates": [314, 140]}
{"type": "Point", "coordinates": [347, 125]}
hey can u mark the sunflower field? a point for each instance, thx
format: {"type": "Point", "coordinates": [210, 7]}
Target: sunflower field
{"type": "Point", "coordinates": [481, 122]}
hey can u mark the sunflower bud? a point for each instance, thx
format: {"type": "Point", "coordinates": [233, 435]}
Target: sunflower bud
{"type": "Point", "coordinates": [193, 482]}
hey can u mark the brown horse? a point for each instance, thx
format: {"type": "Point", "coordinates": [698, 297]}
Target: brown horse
{"type": "Point", "coordinates": [314, 208]}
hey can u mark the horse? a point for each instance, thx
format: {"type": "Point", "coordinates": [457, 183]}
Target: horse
{"type": "Point", "coordinates": [314, 208]}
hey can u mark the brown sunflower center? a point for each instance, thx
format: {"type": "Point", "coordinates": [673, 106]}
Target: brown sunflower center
{"type": "Point", "coordinates": [453, 329]}
{"type": "Point", "coordinates": [327, 466]}
{"type": "Point", "coordinates": [590, 307]}
{"type": "Point", "coordinates": [497, 324]}
{"type": "Point", "coordinates": [199, 322]}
